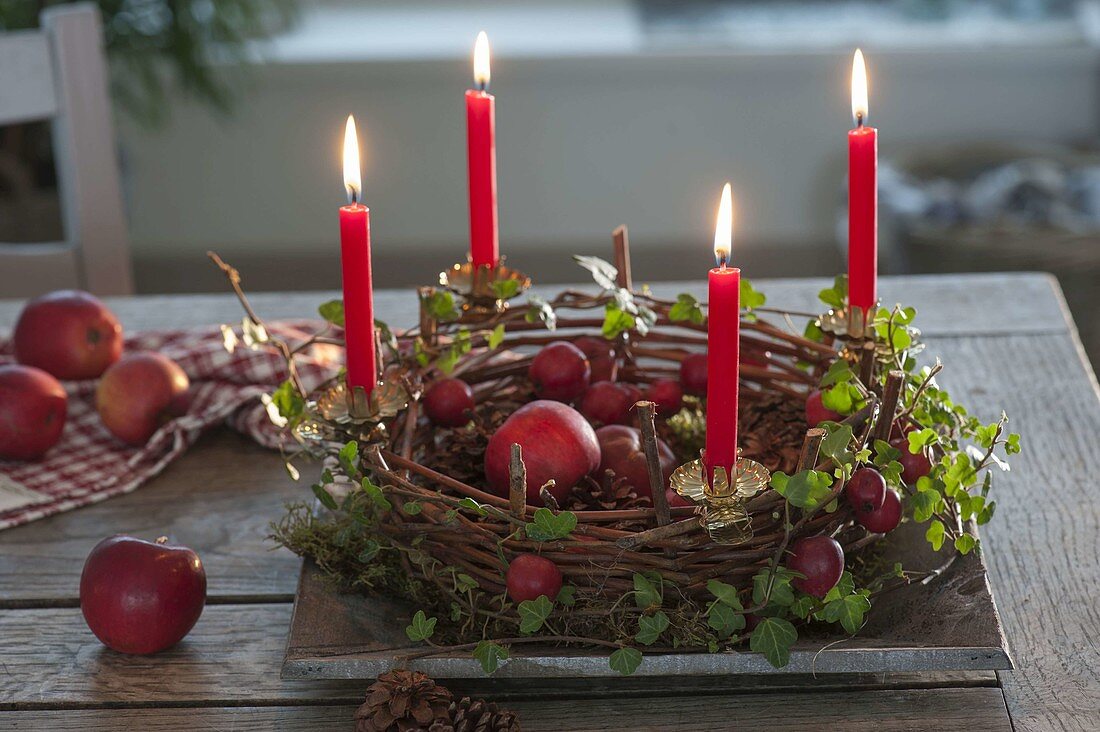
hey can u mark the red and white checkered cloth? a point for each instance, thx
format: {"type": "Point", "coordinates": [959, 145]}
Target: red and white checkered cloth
{"type": "Point", "coordinates": [89, 465]}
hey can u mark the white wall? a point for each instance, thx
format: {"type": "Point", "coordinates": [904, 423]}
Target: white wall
{"type": "Point", "coordinates": [584, 143]}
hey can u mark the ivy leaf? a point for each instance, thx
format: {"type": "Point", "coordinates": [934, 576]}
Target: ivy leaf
{"type": "Point", "coordinates": [726, 594]}
{"type": "Point", "coordinates": [848, 611]}
{"type": "Point", "coordinates": [687, 308]}
{"type": "Point", "coordinates": [806, 489]}
{"type": "Point", "coordinates": [376, 495]}
{"type": "Point", "coordinates": [965, 544]}
{"type": "Point", "coordinates": [781, 594]}
{"type": "Point", "coordinates": [839, 372]}
{"type": "Point", "coordinates": [648, 591]}
{"type": "Point", "coordinates": [349, 457]}
{"type": "Point", "coordinates": [465, 583]}
{"type": "Point", "coordinates": [489, 655]}
{"type": "Point", "coordinates": [836, 444]}
{"type": "Point", "coordinates": [412, 508]}
{"type": "Point", "coordinates": [803, 607]}
{"type": "Point", "coordinates": [496, 337]}
{"type": "Point", "coordinates": [845, 586]}
{"type": "Point", "coordinates": [885, 453]}
{"type": "Point", "coordinates": [288, 401]}
{"type": "Point", "coordinates": [540, 310]}
{"type": "Point", "coordinates": [332, 311]}
{"type": "Point", "coordinates": [1012, 444]}
{"type": "Point", "coordinates": [625, 660]}
{"type": "Point", "coordinates": [460, 346]}
{"type": "Point", "coordinates": [324, 497]}
{"type": "Point", "coordinates": [473, 506]}
{"type": "Point", "coordinates": [369, 551]}
{"type": "Point", "coordinates": [504, 289]}
{"type": "Point", "coordinates": [616, 321]}
{"type": "Point", "coordinates": [724, 619]}
{"type": "Point", "coordinates": [935, 534]}
{"type": "Point", "coordinates": [843, 398]}
{"type": "Point", "coordinates": [548, 526]}
{"type": "Point", "coordinates": [925, 502]}
{"type": "Point", "coordinates": [774, 637]}
{"type": "Point", "coordinates": [533, 613]}
{"type": "Point", "coordinates": [918, 439]}
{"type": "Point", "coordinates": [751, 298]}
{"type": "Point", "coordinates": [440, 304]}
{"type": "Point", "coordinates": [421, 628]}
{"type": "Point", "coordinates": [650, 628]}
{"type": "Point", "coordinates": [837, 295]}
{"type": "Point", "coordinates": [566, 596]}
{"type": "Point", "coordinates": [604, 273]}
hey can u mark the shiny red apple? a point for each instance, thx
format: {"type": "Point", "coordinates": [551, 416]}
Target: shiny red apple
{"type": "Point", "coordinates": [69, 334]}
{"type": "Point", "coordinates": [139, 394]}
{"type": "Point", "coordinates": [530, 576]}
{"type": "Point", "coordinates": [140, 596]}
{"type": "Point", "coordinates": [558, 444]}
{"type": "Point", "coordinates": [601, 356]}
{"type": "Point", "coordinates": [33, 406]}
{"type": "Point", "coordinates": [667, 394]}
{"type": "Point", "coordinates": [622, 452]}
{"type": "Point", "coordinates": [560, 371]}
{"type": "Point", "coordinates": [883, 519]}
{"type": "Point", "coordinates": [693, 374]}
{"type": "Point", "coordinates": [607, 402]}
{"type": "Point", "coordinates": [820, 561]}
{"type": "Point", "coordinates": [449, 402]}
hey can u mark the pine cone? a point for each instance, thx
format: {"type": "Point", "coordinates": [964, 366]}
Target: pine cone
{"type": "Point", "coordinates": [610, 493]}
{"type": "Point", "coordinates": [477, 715]}
{"type": "Point", "coordinates": [401, 701]}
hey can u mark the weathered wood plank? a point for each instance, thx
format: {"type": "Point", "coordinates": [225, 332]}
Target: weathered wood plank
{"type": "Point", "coordinates": [861, 711]}
{"type": "Point", "coordinates": [948, 304]}
{"type": "Point", "coordinates": [219, 499]}
{"type": "Point", "coordinates": [1044, 542]}
{"type": "Point", "coordinates": [233, 656]}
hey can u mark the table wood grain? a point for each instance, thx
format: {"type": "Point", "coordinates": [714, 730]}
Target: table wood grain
{"type": "Point", "coordinates": [1006, 341]}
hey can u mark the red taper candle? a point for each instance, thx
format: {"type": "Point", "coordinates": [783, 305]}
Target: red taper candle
{"type": "Point", "coordinates": [362, 367]}
{"type": "Point", "coordinates": [482, 154]}
{"type": "Point", "coordinates": [862, 197]}
{"type": "Point", "coordinates": [723, 344]}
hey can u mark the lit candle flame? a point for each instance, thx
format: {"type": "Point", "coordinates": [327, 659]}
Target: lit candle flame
{"type": "Point", "coordinates": [723, 230]}
{"type": "Point", "coordinates": [859, 88]}
{"type": "Point", "coordinates": [352, 180]}
{"type": "Point", "coordinates": [481, 60]}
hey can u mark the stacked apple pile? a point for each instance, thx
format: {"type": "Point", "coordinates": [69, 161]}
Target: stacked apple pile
{"type": "Point", "coordinates": [72, 336]}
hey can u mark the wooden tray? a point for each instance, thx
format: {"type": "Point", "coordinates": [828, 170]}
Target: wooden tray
{"type": "Point", "coordinates": [947, 624]}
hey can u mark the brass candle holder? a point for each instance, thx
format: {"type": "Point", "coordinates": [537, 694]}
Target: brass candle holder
{"type": "Point", "coordinates": [339, 411]}
{"type": "Point", "coordinates": [850, 323]}
{"type": "Point", "coordinates": [484, 289]}
{"type": "Point", "coordinates": [725, 513]}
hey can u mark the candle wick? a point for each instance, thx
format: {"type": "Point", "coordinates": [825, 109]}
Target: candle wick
{"type": "Point", "coordinates": [353, 196]}
{"type": "Point", "coordinates": [483, 85]}
{"type": "Point", "coordinates": [859, 120]}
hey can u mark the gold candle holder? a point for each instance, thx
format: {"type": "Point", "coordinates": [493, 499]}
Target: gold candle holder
{"type": "Point", "coordinates": [482, 289]}
{"type": "Point", "coordinates": [850, 323]}
{"type": "Point", "coordinates": [725, 513]}
{"type": "Point", "coordinates": [340, 410]}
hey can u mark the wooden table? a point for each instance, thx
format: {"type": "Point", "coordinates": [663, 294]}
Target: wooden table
{"type": "Point", "coordinates": [1007, 341]}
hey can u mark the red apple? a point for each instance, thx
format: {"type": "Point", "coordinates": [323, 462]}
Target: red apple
{"type": "Point", "coordinates": [139, 394]}
{"type": "Point", "coordinates": [883, 519]}
{"type": "Point", "coordinates": [33, 406]}
{"type": "Point", "coordinates": [600, 354]}
{"type": "Point", "coordinates": [140, 596]}
{"type": "Point", "coordinates": [668, 395]}
{"type": "Point", "coordinates": [622, 452]}
{"type": "Point", "coordinates": [558, 444]}
{"type": "Point", "coordinates": [675, 500]}
{"type": "Point", "coordinates": [69, 334]}
{"type": "Point", "coordinates": [560, 371]}
{"type": "Point", "coordinates": [449, 402]}
{"type": "Point", "coordinates": [816, 413]}
{"type": "Point", "coordinates": [693, 374]}
{"type": "Point", "coordinates": [913, 466]}
{"type": "Point", "coordinates": [607, 402]}
{"type": "Point", "coordinates": [820, 561]}
{"type": "Point", "coordinates": [530, 576]}
{"type": "Point", "coordinates": [866, 490]}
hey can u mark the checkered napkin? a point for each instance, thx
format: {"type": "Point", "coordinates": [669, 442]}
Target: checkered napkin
{"type": "Point", "coordinates": [89, 465]}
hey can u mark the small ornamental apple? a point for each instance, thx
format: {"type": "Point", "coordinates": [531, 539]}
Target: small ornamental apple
{"type": "Point", "coordinates": [816, 413]}
{"type": "Point", "coordinates": [913, 467]}
{"type": "Point", "coordinates": [607, 402]}
{"type": "Point", "coordinates": [529, 576]}
{"type": "Point", "coordinates": [883, 519]}
{"type": "Point", "coordinates": [820, 561]}
{"type": "Point", "coordinates": [560, 372]}
{"type": "Point", "coordinates": [449, 402]}
{"type": "Point", "coordinates": [622, 453]}
{"type": "Point", "coordinates": [33, 406]}
{"type": "Point", "coordinates": [866, 490]}
{"type": "Point", "coordinates": [693, 374]}
{"type": "Point", "coordinates": [139, 394]}
{"type": "Point", "coordinates": [140, 596]}
{"type": "Point", "coordinates": [558, 444]}
{"type": "Point", "coordinates": [601, 357]}
{"type": "Point", "coordinates": [69, 334]}
{"type": "Point", "coordinates": [667, 394]}
{"type": "Point", "coordinates": [675, 500]}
